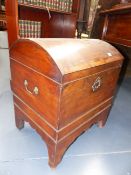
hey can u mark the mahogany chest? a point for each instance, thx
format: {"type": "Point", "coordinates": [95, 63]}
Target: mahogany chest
{"type": "Point", "coordinates": [62, 87]}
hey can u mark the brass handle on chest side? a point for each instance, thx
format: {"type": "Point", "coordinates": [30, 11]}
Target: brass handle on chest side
{"type": "Point", "coordinates": [96, 85]}
{"type": "Point", "coordinates": [35, 90]}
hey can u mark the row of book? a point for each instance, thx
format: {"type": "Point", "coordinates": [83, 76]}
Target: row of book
{"type": "Point", "coordinates": [59, 5]}
{"type": "Point", "coordinates": [29, 29]}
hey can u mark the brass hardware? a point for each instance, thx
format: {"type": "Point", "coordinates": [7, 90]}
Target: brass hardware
{"type": "Point", "coordinates": [97, 84]}
{"type": "Point", "coordinates": [35, 90]}
{"type": "Point", "coordinates": [99, 7]}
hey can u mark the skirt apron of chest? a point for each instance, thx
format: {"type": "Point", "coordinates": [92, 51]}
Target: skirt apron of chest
{"type": "Point", "coordinates": [62, 87]}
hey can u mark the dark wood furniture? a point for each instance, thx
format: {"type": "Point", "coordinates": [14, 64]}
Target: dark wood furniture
{"type": "Point", "coordinates": [117, 25]}
{"type": "Point", "coordinates": [60, 25]}
{"type": "Point", "coordinates": [62, 87]}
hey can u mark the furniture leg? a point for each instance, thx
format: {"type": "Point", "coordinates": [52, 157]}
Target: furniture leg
{"type": "Point", "coordinates": [55, 152]}
{"type": "Point", "coordinates": [103, 119]}
{"type": "Point", "coordinates": [18, 119]}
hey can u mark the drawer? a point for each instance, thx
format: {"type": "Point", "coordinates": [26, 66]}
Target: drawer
{"type": "Point", "coordinates": [85, 94]}
{"type": "Point", "coordinates": [38, 92]}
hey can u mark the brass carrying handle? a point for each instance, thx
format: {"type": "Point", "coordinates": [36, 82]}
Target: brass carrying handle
{"type": "Point", "coordinates": [97, 84]}
{"type": "Point", "coordinates": [35, 90]}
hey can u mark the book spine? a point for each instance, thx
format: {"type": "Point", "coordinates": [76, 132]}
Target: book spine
{"type": "Point", "coordinates": [28, 1]}
{"type": "Point", "coordinates": [70, 5]}
{"type": "Point", "coordinates": [32, 2]}
{"type": "Point", "coordinates": [44, 3]}
{"type": "Point", "coordinates": [51, 2]}
{"type": "Point", "coordinates": [40, 3]}
{"type": "Point", "coordinates": [59, 5]}
{"type": "Point", "coordinates": [26, 29]}
{"type": "Point", "coordinates": [20, 26]}
{"type": "Point", "coordinates": [30, 29]}
{"type": "Point", "coordinates": [20, 31]}
{"type": "Point", "coordinates": [67, 5]}
{"type": "Point", "coordinates": [36, 29]}
{"type": "Point", "coordinates": [20, 1]}
{"type": "Point", "coordinates": [28, 32]}
{"type": "Point", "coordinates": [62, 5]}
{"type": "Point", "coordinates": [23, 29]}
{"type": "Point", "coordinates": [39, 30]}
{"type": "Point", "coordinates": [35, 2]}
{"type": "Point", "coordinates": [25, 2]}
{"type": "Point", "coordinates": [56, 4]}
{"type": "Point", "coordinates": [47, 2]}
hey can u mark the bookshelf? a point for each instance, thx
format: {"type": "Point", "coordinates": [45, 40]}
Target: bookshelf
{"type": "Point", "coordinates": [51, 9]}
{"type": "Point", "coordinates": [42, 8]}
{"type": "Point", "coordinates": [55, 23]}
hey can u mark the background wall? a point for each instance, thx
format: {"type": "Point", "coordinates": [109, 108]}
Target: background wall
{"type": "Point", "coordinates": [4, 63]}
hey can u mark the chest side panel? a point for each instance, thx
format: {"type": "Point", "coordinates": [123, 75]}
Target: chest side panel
{"type": "Point", "coordinates": [37, 91]}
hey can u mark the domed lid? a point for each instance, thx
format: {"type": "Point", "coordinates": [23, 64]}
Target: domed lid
{"type": "Point", "coordinates": [57, 58]}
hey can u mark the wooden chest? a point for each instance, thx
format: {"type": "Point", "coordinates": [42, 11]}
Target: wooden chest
{"type": "Point", "coordinates": [62, 87]}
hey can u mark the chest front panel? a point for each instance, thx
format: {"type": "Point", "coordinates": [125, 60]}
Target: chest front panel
{"type": "Point", "coordinates": [82, 95]}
